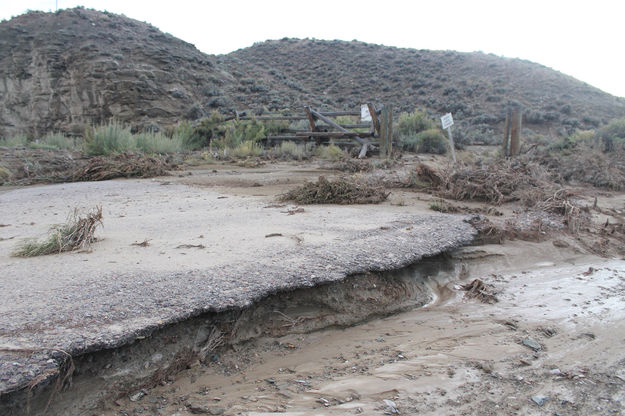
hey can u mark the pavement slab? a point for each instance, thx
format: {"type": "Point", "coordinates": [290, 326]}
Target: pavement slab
{"type": "Point", "coordinates": [206, 252]}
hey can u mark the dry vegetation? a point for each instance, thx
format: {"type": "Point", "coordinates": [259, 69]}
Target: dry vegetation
{"type": "Point", "coordinates": [76, 234]}
{"type": "Point", "coordinates": [32, 166]}
{"type": "Point", "coordinates": [125, 165]}
{"type": "Point", "coordinates": [339, 191]}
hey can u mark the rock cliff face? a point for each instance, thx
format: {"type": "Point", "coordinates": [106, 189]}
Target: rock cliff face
{"type": "Point", "coordinates": [60, 71]}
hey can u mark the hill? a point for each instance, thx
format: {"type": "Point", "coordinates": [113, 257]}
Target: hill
{"type": "Point", "coordinates": [475, 87]}
{"type": "Point", "coordinates": [60, 71]}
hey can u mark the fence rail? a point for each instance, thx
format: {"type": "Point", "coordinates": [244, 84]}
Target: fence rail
{"type": "Point", "coordinates": [324, 130]}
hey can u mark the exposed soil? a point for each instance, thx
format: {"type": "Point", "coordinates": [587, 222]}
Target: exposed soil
{"type": "Point", "coordinates": [554, 337]}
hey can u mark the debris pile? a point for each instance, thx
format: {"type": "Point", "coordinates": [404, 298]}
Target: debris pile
{"type": "Point", "coordinates": [123, 165]}
{"type": "Point", "coordinates": [340, 191]}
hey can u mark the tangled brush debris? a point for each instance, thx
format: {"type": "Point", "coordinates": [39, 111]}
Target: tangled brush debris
{"type": "Point", "coordinates": [479, 290]}
{"type": "Point", "coordinates": [353, 166]}
{"type": "Point", "coordinates": [591, 166]}
{"type": "Point", "coordinates": [76, 234]}
{"type": "Point", "coordinates": [123, 165]}
{"type": "Point", "coordinates": [495, 183]}
{"type": "Point", "coordinates": [339, 191]}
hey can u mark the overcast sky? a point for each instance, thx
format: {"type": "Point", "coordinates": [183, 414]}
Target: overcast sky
{"type": "Point", "coordinates": [580, 38]}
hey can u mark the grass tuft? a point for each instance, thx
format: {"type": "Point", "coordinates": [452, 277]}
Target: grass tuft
{"type": "Point", "coordinates": [77, 233]}
{"type": "Point", "coordinates": [331, 152]}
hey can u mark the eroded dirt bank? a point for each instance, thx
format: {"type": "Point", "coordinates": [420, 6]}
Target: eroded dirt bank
{"type": "Point", "coordinates": [102, 376]}
{"type": "Point", "coordinates": [206, 252]}
{"type": "Point", "coordinates": [551, 345]}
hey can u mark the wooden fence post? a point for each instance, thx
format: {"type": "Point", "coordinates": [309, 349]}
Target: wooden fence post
{"type": "Point", "coordinates": [506, 134]}
{"type": "Point", "coordinates": [386, 131]}
{"type": "Point", "coordinates": [516, 116]}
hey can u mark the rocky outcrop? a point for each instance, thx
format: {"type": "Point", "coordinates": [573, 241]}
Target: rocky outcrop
{"type": "Point", "coordinates": [61, 71]}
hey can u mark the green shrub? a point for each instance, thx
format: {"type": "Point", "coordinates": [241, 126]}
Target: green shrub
{"type": "Point", "coordinates": [247, 149]}
{"type": "Point", "coordinates": [331, 152]}
{"type": "Point", "coordinates": [412, 123]}
{"type": "Point", "coordinates": [572, 141]}
{"type": "Point", "coordinates": [14, 141]}
{"type": "Point", "coordinates": [438, 205]}
{"type": "Point", "coordinates": [149, 142]}
{"type": "Point", "coordinates": [183, 132]}
{"type": "Point", "coordinates": [613, 135]}
{"type": "Point", "coordinates": [54, 141]}
{"type": "Point", "coordinates": [5, 174]}
{"type": "Point", "coordinates": [108, 138]}
{"type": "Point", "coordinates": [234, 132]}
{"type": "Point", "coordinates": [291, 150]}
{"type": "Point", "coordinates": [207, 129]}
{"type": "Point", "coordinates": [427, 141]}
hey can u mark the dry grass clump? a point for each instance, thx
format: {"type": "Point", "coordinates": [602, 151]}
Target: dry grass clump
{"type": "Point", "coordinates": [428, 176]}
{"type": "Point", "coordinates": [76, 234]}
{"type": "Point", "coordinates": [123, 165]}
{"type": "Point", "coordinates": [591, 166]}
{"type": "Point", "coordinates": [353, 166]}
{"type": "Point", "coordinates": [339, 191]}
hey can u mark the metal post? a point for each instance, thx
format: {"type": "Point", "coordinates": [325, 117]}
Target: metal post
{"type": "Point", "coordinates": [451, 144]}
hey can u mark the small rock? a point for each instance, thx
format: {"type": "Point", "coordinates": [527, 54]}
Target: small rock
{"type": "Point", "coordinates": [548, 331]}
{"type": "Point", "coordinates": [323, 401]}
{"type": "Point", "coordinates": [137, 396]}
{"type": "Point", "coordinates": [530, 343]}
{"type": "Point", "coordinates": [540, 400]}
{"type": "Point", "coordinates": [202, 409]}
{"type": "Point", "coordinates": [391, 405]}
{"type": "Point", "coordinates": [198, 408]}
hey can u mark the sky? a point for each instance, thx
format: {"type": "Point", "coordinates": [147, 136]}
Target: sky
{"type": "Point", "coordinates": [579, 38]}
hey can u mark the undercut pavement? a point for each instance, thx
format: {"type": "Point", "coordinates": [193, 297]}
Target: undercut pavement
{"type": "Point", "coordinates": [204, 252]}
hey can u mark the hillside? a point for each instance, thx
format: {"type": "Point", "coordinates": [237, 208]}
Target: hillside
{"type": "Point", "coordinates": [60, 71]}
{"type": "Point", "coordinates": [475, 87]}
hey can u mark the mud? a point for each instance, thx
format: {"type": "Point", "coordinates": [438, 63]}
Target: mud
{"type": "Point", "coordinates": [406, 341]}
{"type": "Point", "coordinates": [103, 376]}
{"type": "Point", "coordinates": [452, 356]}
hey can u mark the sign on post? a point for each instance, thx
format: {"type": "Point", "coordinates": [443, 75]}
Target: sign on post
{"type": "Point", "coordinates": [447, 121]}
{"type": "Point", "coordinates": [365, 115]}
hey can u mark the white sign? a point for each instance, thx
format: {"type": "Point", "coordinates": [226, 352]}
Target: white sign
{"type": "Point", "coordinates": [447, 121]}
{"type": "Point", "coordinates": [364, 113]}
